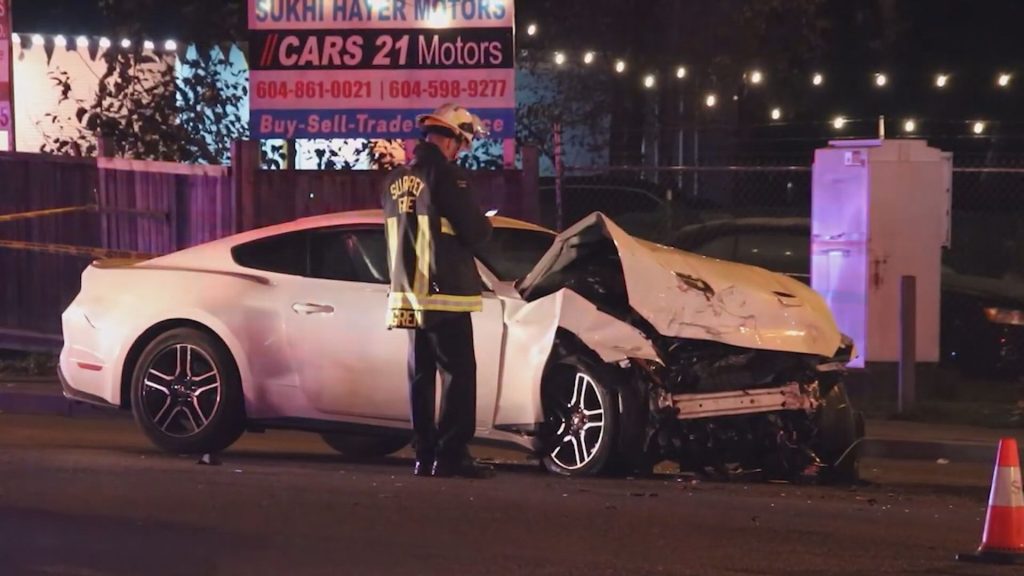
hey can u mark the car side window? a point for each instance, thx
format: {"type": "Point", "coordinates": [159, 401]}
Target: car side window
{"type": "Point", "coordinates": [350, 255]}
{"type": "Point", "coordinates": [510, 253]}
{"type": "Point", "coordinates": [284, 254]}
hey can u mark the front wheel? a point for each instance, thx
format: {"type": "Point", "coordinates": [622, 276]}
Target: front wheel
{"type": "Point", "coordinates": [186, 393]}
{"type": "Point", "coordinates": [841, 428]}
{"type": "Point", "coordinates": [582, 414]}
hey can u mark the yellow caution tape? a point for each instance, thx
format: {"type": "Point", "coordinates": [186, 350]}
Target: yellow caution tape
{"type": "Point", "coordinates": [68, 250]}
{"type": "Point", "coordinates": [48, 212]}
{"type": "Point", "coordinates": [86, 208]}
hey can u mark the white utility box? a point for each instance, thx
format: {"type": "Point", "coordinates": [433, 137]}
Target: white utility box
{"type": "Point", "coordinates": [880, 210]}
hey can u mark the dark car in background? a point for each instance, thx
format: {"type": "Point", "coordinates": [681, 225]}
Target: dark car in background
{"type": "Point", "coordinates": [645, 208]}
{"type": "Point", "coordinates": [982, 323]}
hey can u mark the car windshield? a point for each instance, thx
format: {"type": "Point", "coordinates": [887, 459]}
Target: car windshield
{"type": "Point", "coordinates": [512, 252]}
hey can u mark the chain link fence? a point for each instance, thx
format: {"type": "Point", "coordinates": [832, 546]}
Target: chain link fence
{"type": "Point", "coordinates": [660, 204]}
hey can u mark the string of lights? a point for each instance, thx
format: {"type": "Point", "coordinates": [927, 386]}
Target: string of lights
{"type": "Point", "coordinates": [1002, 79]}
{"type": "Point", "coordinates": [942, 80]}
{"type": "Point", "coordinates": [83, 42]}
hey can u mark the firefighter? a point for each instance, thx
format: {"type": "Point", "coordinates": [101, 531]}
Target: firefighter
{"type": "Point", "coordinates": [433, 225]}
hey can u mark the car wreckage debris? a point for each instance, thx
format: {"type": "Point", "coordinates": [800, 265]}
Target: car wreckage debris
{"type": "Point", "coordinates": [719, 411]}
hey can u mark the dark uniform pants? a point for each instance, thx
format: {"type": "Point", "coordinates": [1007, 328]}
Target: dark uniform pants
{"type": "Point", "coordinates": [446, 345]}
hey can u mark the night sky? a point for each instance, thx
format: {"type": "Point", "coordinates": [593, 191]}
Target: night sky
{"type": "Point", "coordinates": [911, 40]}
{"type": "Point", "coordinates": [68, 17]}
{"type": "Point", "coordinates": [950, 31]}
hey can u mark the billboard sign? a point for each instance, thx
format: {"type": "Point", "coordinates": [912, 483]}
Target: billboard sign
{"type": "Point", "coordinates": [366, 68]}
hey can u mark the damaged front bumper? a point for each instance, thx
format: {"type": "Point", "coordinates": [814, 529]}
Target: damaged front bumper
{"type": "Point", "coordinates": [756, 401]}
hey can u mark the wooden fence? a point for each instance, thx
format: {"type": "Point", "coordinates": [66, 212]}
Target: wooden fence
{"type": "Point", "coordinates": [35, 287]}
{"type": "Point", "coordinates": [159, 207]}
{"type": "Point", "coordinates": [150, 207]}
{"type": "Point", "coordinates": [268, 197]}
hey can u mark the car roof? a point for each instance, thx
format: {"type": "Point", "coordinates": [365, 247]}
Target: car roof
{"type": "Point", "coordinates": [219, 248]}
{"type": "Point", "coordinates": [376, 216]}
{"type": "Point", "coordinates": [350, 218]}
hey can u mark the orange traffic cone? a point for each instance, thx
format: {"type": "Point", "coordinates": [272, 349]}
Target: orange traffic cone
{"type": "Point", "coordinates": [1002, 542]}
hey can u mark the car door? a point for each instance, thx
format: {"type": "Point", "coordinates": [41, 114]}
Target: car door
{"type": "Point", "coordinates": [349, 364]}
{"type": "Point", "coordinates": [352, 365]}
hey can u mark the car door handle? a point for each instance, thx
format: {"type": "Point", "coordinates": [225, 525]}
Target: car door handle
{"type": "Point", "coordinates": [310, 308]}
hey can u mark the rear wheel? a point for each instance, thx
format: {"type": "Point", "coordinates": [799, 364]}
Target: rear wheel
{"type": "Point", "coordinates": [186, 393]}
{"type": "Point", "coordinates": [582, 414]}
{"type": "Point", "coordinates": [365, 446]}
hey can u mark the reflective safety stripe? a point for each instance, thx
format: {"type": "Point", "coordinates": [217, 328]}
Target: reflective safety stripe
{"type": "Point", "coordinates": [1006, 489]}
{"type": "Point", "coordinates": [446, 227]}
{"type": "Point", "coordinates": [435, 302]}
{"type": "Point", "coordinates": [392, 238]}
{"type": "Point", "coordinates": [424, 254]}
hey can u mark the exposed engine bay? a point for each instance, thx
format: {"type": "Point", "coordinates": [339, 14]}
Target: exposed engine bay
{"type": "Point", "coordinates": [714, 407]}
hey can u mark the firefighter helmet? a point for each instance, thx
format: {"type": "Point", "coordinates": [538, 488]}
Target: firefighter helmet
{"type": "Point", "coordinates": [455, 120]}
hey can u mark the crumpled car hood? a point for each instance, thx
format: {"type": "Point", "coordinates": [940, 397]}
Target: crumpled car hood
{"type": "Point", "coordinates": [685, 295]}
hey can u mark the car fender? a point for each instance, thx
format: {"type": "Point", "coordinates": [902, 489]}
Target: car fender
{"type": "Point", "coordinates": [195, 315]}
{"type": "Point", "coordinates": [531, 329]}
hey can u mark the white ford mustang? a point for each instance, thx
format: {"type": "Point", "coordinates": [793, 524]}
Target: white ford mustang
{"type": "Point", "coordinates": [596, 350]}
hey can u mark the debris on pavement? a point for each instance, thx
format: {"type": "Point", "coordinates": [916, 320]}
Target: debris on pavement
{"type": "Point", "coordinates": [209, 460]}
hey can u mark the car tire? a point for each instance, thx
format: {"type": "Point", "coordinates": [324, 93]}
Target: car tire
{"type": "Point", "coordinates": [840, 429]}
{"type": "Point", "coordinates": [581, 415]}
{"type": "Point", "coordinates": [634, 455]}
{"type": "Point", "coordinates": [186, 393]}
{"type": "Point", "coordinates": [365, 446]}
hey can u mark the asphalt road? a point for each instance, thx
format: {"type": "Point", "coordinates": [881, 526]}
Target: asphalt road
{"type": "Point", "coordinates": [89, 497]}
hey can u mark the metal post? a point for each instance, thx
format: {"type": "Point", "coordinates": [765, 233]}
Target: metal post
{"type": "Point", "coordinates": [696, 161]}
{"type": "Point", "coordinates": [245, 165]}
{"type": "Point", "coordinates": [908, 344]}
{"type": "Point", "coordinates": [529, 205]}
{"type": "Point", "coordinates": [559, 172]}
{"type": "Point", "coordinates": [105, 147]}
{"type": "Point", "coordinates": [656, 140]}
{"type": "Point", "coordinates": [696, 139]}
{"type": "Point", "coordinates": [682, 138]}
{"type": "Point", "coordinates": [508, 153]}
{"type": "Point", "coordinates": [291, 150]}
